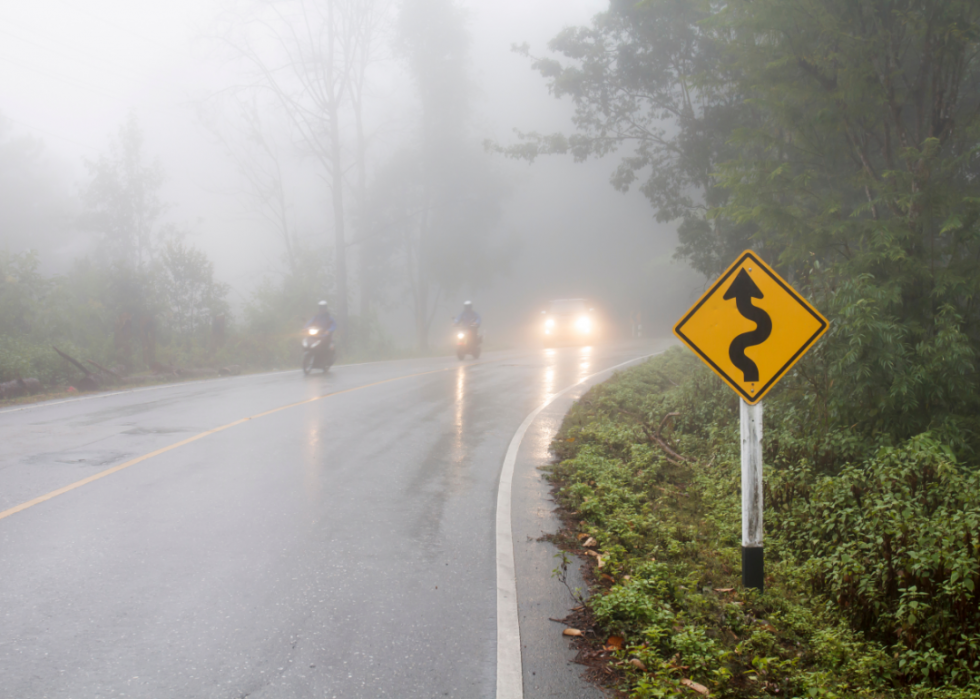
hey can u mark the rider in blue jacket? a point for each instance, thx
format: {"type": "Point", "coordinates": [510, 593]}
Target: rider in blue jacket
{"type": "Point", "coordinates": [468, 316]}
{"type": "Point", "coordinates": [323, 319]}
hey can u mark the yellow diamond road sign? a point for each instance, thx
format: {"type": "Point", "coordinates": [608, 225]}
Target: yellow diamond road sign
{"type": "Point", "coordinates": [750, 327]}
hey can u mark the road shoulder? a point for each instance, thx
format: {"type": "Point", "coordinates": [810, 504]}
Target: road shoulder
{"type": "Point", "coordinates": [548, 660]}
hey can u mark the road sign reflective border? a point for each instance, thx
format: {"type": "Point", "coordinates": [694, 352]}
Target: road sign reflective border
{"type": "Point", "coordinates": [750, 327]}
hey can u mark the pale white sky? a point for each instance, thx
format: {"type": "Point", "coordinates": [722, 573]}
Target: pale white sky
{"type": "Point", "coordinates": [70, 70]}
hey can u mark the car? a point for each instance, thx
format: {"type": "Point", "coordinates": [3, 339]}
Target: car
{"type": "Point", "coordinates": [569, 321]}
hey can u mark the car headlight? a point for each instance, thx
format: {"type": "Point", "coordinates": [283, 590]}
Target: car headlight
{"type": "Point", "coordinates": [461, 335]}
{"type": "Point", "coordinates": [314, 331]}
{"type": "Point", "coordinates": [584, 324]}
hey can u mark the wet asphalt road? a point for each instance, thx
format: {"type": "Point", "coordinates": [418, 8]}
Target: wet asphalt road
{"type": "Point", "coordinates": [340, 547]}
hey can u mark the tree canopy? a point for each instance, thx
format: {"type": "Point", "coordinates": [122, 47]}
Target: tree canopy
{"type": "Point", "coordinates": [836, 137]}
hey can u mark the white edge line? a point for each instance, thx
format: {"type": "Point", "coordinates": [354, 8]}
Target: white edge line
{"type": "Point", "coordinates": [510, 669]}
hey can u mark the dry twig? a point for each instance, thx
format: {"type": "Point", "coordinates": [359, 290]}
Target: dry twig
{"type": "Point", "coordinates": [658, 439]}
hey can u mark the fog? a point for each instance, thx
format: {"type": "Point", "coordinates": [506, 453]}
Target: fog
{"type": "Point", "coordinates": [74, 72]}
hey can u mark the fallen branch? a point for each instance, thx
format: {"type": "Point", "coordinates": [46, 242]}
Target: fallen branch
{"type": "Point", "coordinates": [672, 456]}
{"type": "Point", "coordinates": [73, 361]}
{"type": "Point", "coordinates": [88, 382]}
{"type": "Point", "coordinates": [664, 421]}
{"type": "Point", "coordinates": [655, 437]}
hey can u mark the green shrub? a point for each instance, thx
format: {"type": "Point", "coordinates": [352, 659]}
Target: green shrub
{"type": "Point", "coordinates": [895, 542]}
{"type": "Point", "coordinates": [21, 359]}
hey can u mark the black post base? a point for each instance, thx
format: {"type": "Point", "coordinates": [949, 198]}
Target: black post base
{"type": "Point", "coordinates": [752, 567]}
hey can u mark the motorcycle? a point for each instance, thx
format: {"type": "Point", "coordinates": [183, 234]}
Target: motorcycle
{"type": "Point", "coordinates": [318, 350]}
{"type": "Point", "coordinates": [468, 341]}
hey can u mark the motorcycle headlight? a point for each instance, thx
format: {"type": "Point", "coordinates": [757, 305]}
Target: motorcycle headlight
{"type": "Point", "coordinates": [460, 335]}
{"type": "Point", "coordinates": [314, 331]}
{"type": "Point", "coordinates": [584, 324]}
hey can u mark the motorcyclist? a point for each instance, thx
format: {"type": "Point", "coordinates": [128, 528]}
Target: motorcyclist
{"type": "Point", "coordinates": [323, 320]}
{"type": "Point", "coordinates": [468, 317]}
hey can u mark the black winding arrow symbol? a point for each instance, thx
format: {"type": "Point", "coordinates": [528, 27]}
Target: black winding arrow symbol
{"type": "Point", "coordinates": [743, 290]}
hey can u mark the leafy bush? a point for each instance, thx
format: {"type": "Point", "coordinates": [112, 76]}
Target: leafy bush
{"type": "Point", "coordinates": [21, 359]}
{"type": "Point", "coordinates": [895, 542]}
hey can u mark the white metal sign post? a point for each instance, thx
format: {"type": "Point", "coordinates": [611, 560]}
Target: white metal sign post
{"type": "Point", "coordinates": [752, 556]}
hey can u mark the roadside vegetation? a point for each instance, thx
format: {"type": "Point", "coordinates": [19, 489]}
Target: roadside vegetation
{"type": "Point", "coordinates": [838, 139]}
{"type": "Point", "coordinates": [142, 303]}
{"type": "Point", "coordinates": [171, 320]}
{"type": "Point", "coordinates": [872, 545]}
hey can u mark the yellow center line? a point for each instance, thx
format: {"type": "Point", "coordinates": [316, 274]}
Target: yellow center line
{"type": "Point", "coordinates": [202, 435]}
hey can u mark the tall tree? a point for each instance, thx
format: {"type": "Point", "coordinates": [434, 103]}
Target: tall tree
{"type": "Point", "coordinates": [121, 205]}
{"type": "Point", "coordinates": [434, 204]}
{"type": "Point", "coordinates": [305, 55]}
{"type": "Point", "coordinates": [121, 200]}
{"type": "Point", "coordinates": [863, 180]}
{"type": "Point", "coordinates": [371, 26]}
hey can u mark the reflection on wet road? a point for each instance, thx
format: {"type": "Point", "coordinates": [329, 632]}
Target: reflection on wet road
{"type": "Point", "coordinates": [337, 543]}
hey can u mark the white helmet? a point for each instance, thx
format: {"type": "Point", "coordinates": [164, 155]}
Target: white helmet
{"type": "Point", "coordinates": [467, 304]}
{"type": "Point", "coordinates": [323, 305]}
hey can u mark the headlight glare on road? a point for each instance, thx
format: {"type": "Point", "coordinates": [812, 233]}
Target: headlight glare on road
{"type": "Point", "coordinates": [584, 324]}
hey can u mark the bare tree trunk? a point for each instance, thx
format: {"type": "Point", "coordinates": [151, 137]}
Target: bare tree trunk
{"type": "Point", "coordinates": [421, 308]}
{"type": "Point", "coordinates": [364, 286]}
{"type": "Point", "coordinates": [363, 36]}
{"type": "Point", "coordinates": [422, 303]}
{"type": "Point", "coordinates": [282, 214]}
{"type": "Point", "coordinates": [340, 238]}
{"type": "Point", "coordinates": [148, 338]}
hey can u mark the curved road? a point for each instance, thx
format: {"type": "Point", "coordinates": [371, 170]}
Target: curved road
{"type": "Point", "coordinates": [270, 536]}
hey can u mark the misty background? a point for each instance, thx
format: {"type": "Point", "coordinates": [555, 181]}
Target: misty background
{"type": "Point", "coordinates": [191, 79]}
